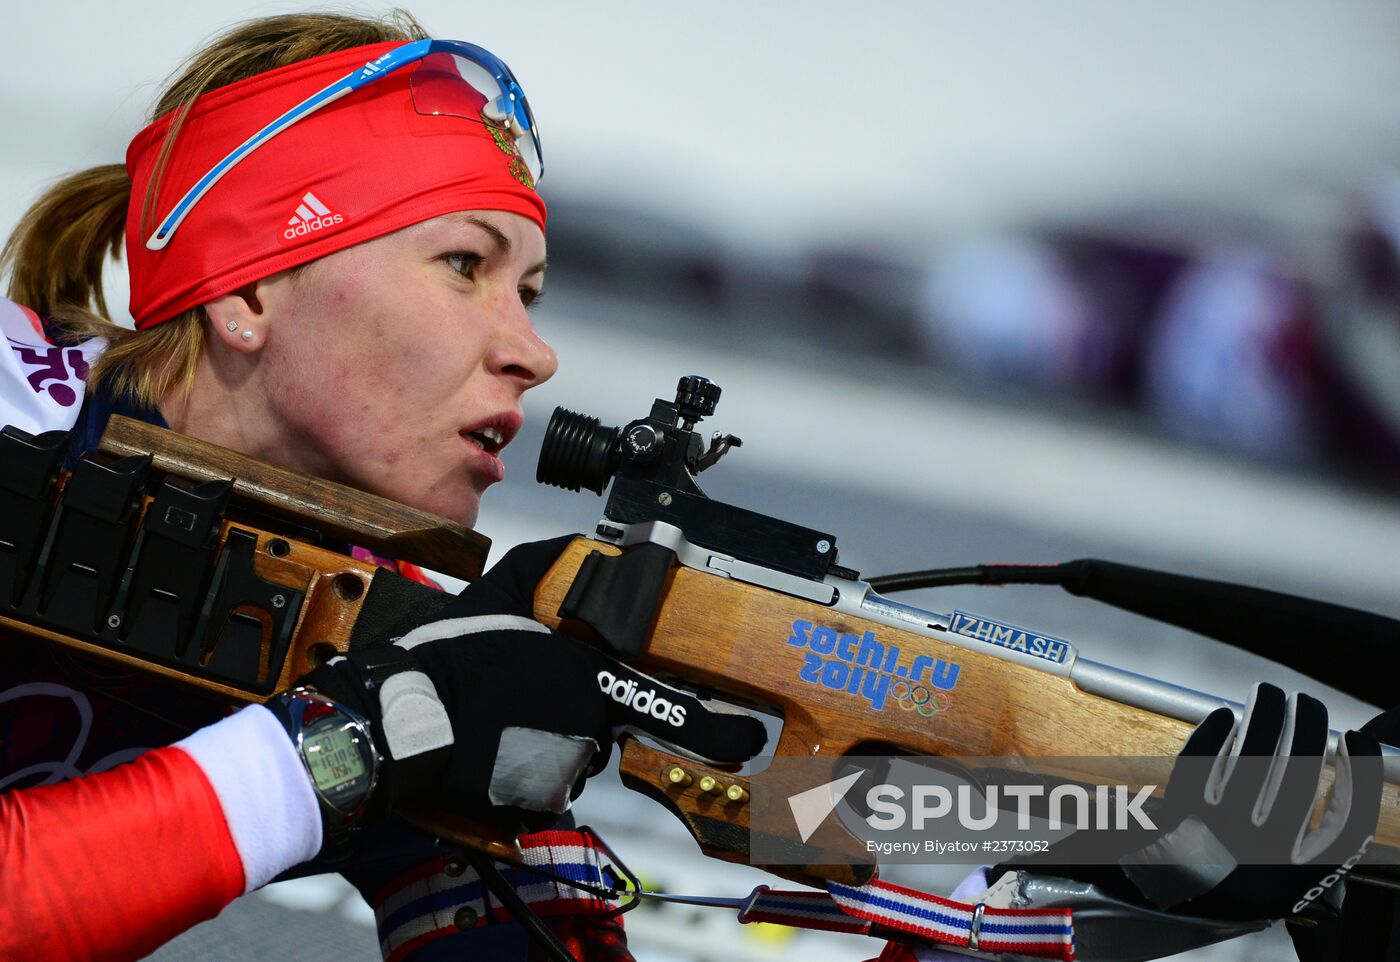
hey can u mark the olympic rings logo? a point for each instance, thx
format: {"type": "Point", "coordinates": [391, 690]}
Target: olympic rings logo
{"type": "Point", "coordinates": [925, 701]}
{"type": "Point", "coordinates": [55, 770]}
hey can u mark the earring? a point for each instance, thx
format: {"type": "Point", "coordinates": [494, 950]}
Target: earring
{"type": "Point", "coordinates": [247, 335]}
{"type": "Point", "coordinates": [232, 326]}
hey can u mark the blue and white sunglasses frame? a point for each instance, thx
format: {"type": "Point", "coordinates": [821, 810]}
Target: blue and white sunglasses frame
{"type": "Point", "coordinates": [510, 105]}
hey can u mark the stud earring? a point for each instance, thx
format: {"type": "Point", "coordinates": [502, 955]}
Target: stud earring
{"type": "Point", "coordinates": [232, 326]}
{"type": "Point", "coordinates": [247, 335]}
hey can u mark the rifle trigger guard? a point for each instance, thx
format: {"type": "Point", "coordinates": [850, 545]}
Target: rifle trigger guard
{"type": "Point", "coordinates": [616, 597]}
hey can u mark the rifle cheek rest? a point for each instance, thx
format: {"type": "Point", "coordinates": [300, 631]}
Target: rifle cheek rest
{"type": "Point", "coordinates": [615, 598]}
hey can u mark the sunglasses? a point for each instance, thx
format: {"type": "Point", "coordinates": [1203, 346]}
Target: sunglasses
{"type": "Point", "coordinates": [454, 79]}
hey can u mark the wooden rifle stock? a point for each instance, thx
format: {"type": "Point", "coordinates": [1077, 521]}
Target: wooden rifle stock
{"type": "Point", "coordinates": [336, 511]}
{"type": "Point", "coordinates": [724, 636]}
{"type": "Point", "coordinates": [729, 637]}
{"type": "Point", "coordinates": [283, 516]}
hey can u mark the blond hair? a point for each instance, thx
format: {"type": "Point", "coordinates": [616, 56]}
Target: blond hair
{"type": "Point", "coordinates": [57, 251]}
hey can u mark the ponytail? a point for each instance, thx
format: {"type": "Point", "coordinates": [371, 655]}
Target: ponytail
{"type": "Point", "coordinates": [55, 258]}
{"type": "Point", "coordinates": [57, 251]}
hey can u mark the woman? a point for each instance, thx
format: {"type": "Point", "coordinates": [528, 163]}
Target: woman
{"type": "Point", "coordinates": [333, 238]}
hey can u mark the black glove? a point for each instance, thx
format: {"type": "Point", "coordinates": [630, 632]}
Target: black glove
{"type": "Point", "coordinates": [1233, 840]}
{"type": "Point", "coordinates": [1368, 926]}
{"type": "Point", "coordinates": [1239, 846]}
{"type": "Point", "coordinates": [489, 713]}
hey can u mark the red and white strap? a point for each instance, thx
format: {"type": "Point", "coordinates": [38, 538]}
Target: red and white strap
{"type": "Point", "coordinates": [445, 895]}
{"type": "Point", "coordinates": [1039, 933]}
{"type": "Point", "coordinates": [804, 910]}
{"type": "Point", "coordinates": [426, 904]}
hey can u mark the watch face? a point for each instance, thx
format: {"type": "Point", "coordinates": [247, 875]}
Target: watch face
{"type": "Point", "coordinates": [334, 758]}
{"type": "Point", "coordinates": [340, 760]}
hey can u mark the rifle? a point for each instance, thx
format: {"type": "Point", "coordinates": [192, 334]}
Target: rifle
{"type": "Point", "coordinates": [172, 555]}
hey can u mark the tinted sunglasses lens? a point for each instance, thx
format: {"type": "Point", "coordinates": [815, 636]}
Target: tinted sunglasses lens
{"type": "Point", "coordinates": [448, 85]}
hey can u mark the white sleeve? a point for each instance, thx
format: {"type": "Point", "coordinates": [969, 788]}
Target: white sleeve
{"type": "Point", "coordinates": [271, 808]}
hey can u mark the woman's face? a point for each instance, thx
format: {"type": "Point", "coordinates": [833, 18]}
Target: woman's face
{"type": "Point", "coordinates": [397, 366]}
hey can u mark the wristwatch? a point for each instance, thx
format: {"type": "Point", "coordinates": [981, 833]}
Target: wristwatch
{"type": "Point", "coordinates": [337, 751]}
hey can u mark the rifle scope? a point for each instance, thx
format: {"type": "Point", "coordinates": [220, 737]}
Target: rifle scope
{"type": "Point", "coordinates": [579, 452]}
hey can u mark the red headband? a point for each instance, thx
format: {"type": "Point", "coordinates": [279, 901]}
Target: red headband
{"type": "Point", "coordinates": [364, 166]}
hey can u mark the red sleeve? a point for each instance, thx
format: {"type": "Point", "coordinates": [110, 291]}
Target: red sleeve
{"type": "Point", "coordinates": [111, 866]}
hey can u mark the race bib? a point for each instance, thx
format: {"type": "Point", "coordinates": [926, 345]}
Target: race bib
{"type": "Point", "coordinates": [41, 384]}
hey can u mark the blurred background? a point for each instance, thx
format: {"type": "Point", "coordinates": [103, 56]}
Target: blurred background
{"type": "Point", "coordinates": [981, 282]}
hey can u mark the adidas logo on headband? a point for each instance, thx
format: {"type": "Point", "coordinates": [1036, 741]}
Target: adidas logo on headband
{"type": "Point", "coordinates": [312, 215]}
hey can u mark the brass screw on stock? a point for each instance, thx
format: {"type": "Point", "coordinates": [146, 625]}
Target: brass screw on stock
{"type": "Point", "coordinates": [680, 778]}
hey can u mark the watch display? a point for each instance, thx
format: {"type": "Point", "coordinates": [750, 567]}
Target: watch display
{"type": "Point", "coordinates": [336, 750]}
{"type": "Point", "coordinates": [333, 757]}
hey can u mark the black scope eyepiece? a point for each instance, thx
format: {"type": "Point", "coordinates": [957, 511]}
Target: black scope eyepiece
{"type": "Point", "coordinates": [578, 452]}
